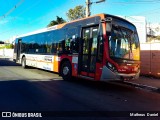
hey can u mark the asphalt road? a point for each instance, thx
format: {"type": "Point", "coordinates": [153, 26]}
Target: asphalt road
{"type": "Point", "coordinates": [38, 90]}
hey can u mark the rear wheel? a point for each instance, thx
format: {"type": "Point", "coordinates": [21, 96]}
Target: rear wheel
{"type": "Point", "coordinates": [66, 70]}
{"type": "Point", "coordinates": [24, 62]}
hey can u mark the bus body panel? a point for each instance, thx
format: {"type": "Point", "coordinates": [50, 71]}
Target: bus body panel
{"type": "Point", "coordinates": [66, 42]}
{"type": "Point", "coordinates": [107, 74]}
{"type": "Point", "coordinates": [46, 62]}
{"type": "Point", "coordinates": [75, 65]}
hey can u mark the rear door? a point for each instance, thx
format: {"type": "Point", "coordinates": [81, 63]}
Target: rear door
{"type": "Point", "coordinates": [19, 49]}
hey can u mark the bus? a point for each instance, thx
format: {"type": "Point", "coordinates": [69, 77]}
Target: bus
{"type": "Point", "coordinates": [101, 47]}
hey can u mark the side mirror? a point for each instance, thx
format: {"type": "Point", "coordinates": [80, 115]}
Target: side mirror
{"type": "Point", "coordinates": [108, 22]}
{"type": "Point", "coordinates": [108, 27]}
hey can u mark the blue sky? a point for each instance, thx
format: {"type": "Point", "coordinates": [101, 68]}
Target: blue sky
{"type": "Point", "coordinates": [30, 15]}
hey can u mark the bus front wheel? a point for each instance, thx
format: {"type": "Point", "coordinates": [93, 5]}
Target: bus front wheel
{"type": "Point", "coordinates": [66, 70]}
{"type": "Point", "coordinates": [24, 62]}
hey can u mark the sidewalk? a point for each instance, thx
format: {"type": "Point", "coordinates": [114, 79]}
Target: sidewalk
{"type": "Point", "coordinates": [149, 83]}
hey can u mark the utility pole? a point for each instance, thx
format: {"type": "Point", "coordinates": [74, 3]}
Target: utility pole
{"type": "Point", "coordinates": [88, 4]}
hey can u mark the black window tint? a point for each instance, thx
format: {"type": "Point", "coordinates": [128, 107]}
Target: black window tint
{"type": "Point", "coordinates": [100, 44]}
{"type": "Point", "coordinates": [31, 40]}
{"type": "Point", "coordinates": [71, 42]}
{"type": "Point", "coordinates": [48, 42]}
{"type": "Point", "coordinates": [94, 42]}
{"type": "Point", "coordinates": [41, 44]}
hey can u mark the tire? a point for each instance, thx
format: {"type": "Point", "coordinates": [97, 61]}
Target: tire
{"type": "Point", "coordinates": [24, 62]}
{"type": "Point", "coordinates": [66, 70]}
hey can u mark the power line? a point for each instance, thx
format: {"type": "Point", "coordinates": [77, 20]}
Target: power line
{"type": "Point", "coordinates": [138, 2]}
{"type": "Point", "coordinates": [149, 11]}
{"type": "Point", "coordinates": [33, 5]}
{"type": "Point", "coordinates": [12, 9]}
{"type": "Point", "coordinates": [14, 18]}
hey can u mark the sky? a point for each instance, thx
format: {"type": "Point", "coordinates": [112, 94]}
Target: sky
{"type": "Point", "coordinates": [22, 16]}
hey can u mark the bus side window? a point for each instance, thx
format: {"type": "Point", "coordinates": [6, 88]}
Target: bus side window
{"type": "Point", "coordinates": [74, 43]}
{"type": "Point", "coordinates": [54, 47]}
{"type": "Point", "coordinates": [71, 42]}
{"type": "Point", "coordinates": [40, 43]}
{"type": "Point", "coordinates": [54, 42]}
{"type": "Point", "coordinates": [67, 45]}
{"type": "Point", "coordinates": [48, 42]}
{"type": "Point", "coordinates": [58, 41]}
{"type": "Point", "coordinates": [61, 45]}
{"type": "Point", "coordinates": [100, 44]}
{"type": "Point", "coordinates": [31, 44]}
{"type": "Point", "coordinates": [25, 45]}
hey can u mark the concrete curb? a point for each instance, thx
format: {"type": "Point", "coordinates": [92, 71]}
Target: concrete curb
{"type": "Point", "coordinates": [142, 86]}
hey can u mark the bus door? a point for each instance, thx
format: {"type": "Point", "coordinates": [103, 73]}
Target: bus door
{"type": "Point", "coordinates": [19, 49]}
{"type": "Point", "coordinates": [88, 51]}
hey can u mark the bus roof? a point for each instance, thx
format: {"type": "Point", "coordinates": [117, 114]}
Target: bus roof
{"type": "Point", "coordinates": [56, 26]}
{"type": "Point", "coordinates": [102, 16]}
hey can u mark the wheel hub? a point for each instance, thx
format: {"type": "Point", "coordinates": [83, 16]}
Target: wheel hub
{"type": "Point", "coordinates": [65, 70]}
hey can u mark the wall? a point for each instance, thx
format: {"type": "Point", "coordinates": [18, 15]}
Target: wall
{"type": "Point", "coordinates": [150, 59]}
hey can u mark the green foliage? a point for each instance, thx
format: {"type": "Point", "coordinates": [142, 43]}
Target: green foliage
{"type": "Point", "coordinates": [59, 20]}
{"type": "Point", "coordinates": [153, 38]}
{"type": "Point", "coordinates": [158, 37]}
{"type": "Point", "coordinates": [76, 13]}
{"type": "Point", "coordinates": [7, 46]}
{"type": "Point", "coordinates": [73, 14]}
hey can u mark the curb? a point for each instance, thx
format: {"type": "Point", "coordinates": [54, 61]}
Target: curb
{"type": "Point", "coordinates": [6, 58]}
{"type": "Point", "coordinates": [142, 86]}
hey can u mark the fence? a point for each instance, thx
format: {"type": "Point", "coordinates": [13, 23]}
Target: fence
{"type": "Point", "coordinates": [6, 53]}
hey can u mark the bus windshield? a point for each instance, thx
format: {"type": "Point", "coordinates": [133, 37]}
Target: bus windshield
{"type": "Point", "coordinates": [123, 43]}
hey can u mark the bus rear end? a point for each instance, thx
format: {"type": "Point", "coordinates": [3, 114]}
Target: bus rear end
{"type": "Point", "coordinates": [121, 50]}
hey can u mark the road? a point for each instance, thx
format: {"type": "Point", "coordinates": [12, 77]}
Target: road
{"type": "Point", "coordinates": [38, 90]}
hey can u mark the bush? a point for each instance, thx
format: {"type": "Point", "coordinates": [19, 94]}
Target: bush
{"type": "Point", "coordinates": [7, 46]}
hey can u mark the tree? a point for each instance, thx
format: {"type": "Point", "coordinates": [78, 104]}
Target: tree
{"type": "Point", "coordinates": [1, 42]}
{"type": "Point", "coordinates": [158, 37]}
{"type": "Point", "coordinates": [76, 13]}
{"type": "Point", "coordinates": [59, 20]}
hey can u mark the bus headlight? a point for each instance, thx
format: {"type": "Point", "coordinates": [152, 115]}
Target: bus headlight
{"type": "Point", "coordinates": [111, 67]}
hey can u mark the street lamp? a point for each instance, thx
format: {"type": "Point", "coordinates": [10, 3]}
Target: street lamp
{"type": "Point", "coordinates": [88, 3]}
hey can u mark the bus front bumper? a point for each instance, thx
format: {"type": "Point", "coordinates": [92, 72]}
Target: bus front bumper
{"type": "Point", "coordinates": [107, 74]}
